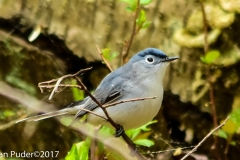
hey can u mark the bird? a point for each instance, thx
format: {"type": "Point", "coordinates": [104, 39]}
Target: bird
{"type": "Point", "coordinates": [142, 76]}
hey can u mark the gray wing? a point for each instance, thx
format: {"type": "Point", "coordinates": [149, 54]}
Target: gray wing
{"type": "Point", "coordinates": [110, 89]}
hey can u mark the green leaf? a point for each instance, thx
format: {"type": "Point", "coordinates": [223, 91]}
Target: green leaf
{"type": "Point", "coordinates": [235, 116]}
{"type": "Point", "coordinates": [233, 143]}
{"type": "Point", "coordinates": [210, 57]}
{"type": "Point", "coordinates": [105, 52]}
{"type": "Point", "coordinates": [134, 7]}
{"type": "Point", "coordinates": [130, 132]}
{"type": "Point", "coordinates": [146, 24]}
{"type": "Point", "coordinates": [72, 154]}
{"type": "Point", "coordinates": [107, 55]}
{"type": "Point", "coordinates": [79, 151]}
{"type": "Point", "coordinates": [136, 132]}
{"type": "Point", "coordinates": [114, 55]}
{"type": "Point", "coordinates": [132, 3]}
{"type": "Point", "coordinates": [129, 9]}
{"type": "Point", "coordinates": [133, 133]}
{"type": "Point", "coordinates": [230, 127]}
{"type": "Point", "coordinates": [202, 58]}
{"type": "Point", "coordinates": [144, 142]}
{"type": "Point", "coordinates": [145, 2]}
{"type": "Point", "coordinates": [222, 134]}
{"type": "Point", "coordinates": [8, 113]}
{"type": "Point", "coordinates": [107, 131]}
{"type": "Point", "coordinates": [145, 127]}
{"type": "Point", "coordinates": [77, 93]}
{"type": "Point", "coordinates": [141, 18]}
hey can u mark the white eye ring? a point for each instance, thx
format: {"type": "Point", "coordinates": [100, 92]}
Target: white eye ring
{"type": "Point", "coordinates": [149, 59]}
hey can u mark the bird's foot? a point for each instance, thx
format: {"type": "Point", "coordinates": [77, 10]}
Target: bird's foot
{"type": "Point", "coordinates": [119, 131]}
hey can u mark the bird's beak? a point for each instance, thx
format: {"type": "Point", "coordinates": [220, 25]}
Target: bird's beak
{"type": "Point", "coordinates": [168, 59]}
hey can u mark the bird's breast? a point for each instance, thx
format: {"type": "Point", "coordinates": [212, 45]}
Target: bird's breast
{"type": "Point", "coordinates": [134, 114]}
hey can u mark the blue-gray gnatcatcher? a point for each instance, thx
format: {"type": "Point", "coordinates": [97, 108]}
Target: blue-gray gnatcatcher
{"type": "Point", "coordinates": [141, 77]}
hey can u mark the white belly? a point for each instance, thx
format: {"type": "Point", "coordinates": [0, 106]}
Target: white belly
{"type": "Point", "coordinates": [132, 114]}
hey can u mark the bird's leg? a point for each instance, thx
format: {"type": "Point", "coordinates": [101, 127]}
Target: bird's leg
{"type": "Point", "coordinates": [119, 130]}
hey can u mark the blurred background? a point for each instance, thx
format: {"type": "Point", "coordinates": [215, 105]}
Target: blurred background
{"type": "Point", "coordinates": [41, 40]}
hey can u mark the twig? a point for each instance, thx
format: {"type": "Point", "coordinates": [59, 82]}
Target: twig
{"type": "Point", "coordinates": [211, 92]}
{"type": "Point", "coordinates": [47, 82]}
{"type": "Point", "coordinates": [229, 139]}
{"type": "Point", "coordinates": [60, 85]}
{"type": "Point", "coordinates": [212, 102]}
{"type": "Point", "coordinates": [93, 113]}
{"type": "Point", "coordinates": [174, 149]}
{"type": "Point", "coordinates": [105, 61]}
{"type": "Point", "coordinates": [97, 102]}
{"type": "Point", "coordinates": [59, 80]}
{"type": "Point", "coordinates": [69, 75]}
{"type": "Point", "coordinates": [129, 43]}
{"type": "Point", "coordinates": [109, 119]}
{"type": "Point", "coordinates": [129, 100]}
{"type": "Point", "coordinates": [208, 135]}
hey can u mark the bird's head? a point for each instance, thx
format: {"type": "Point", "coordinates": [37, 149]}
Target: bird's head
{"type": "Point", "coordinates": [151, 62]}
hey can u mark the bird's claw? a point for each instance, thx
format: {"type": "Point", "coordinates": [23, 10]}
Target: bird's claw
{"type": "Point", "coordinates": [119, 131]}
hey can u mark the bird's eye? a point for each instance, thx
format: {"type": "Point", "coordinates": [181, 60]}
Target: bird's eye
{"type": "Point", "coordinates": [149, 59]}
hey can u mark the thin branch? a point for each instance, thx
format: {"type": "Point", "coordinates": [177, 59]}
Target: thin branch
{"type": "Point", "coordinates": [60, 85]}
{"type": "Point", "coordinates": [229, 139]}
{"type": "Point", "coordinates": [69, 75]}
{"type": "Point", "coordinates": [168, 150]}
{"type": "Point", "coordinates": [211, 92]}
{"type": "Point", "coordinates": [105, 61]}
{"type": "Point", "coordinates": [93, 113]}
{"type": "Point", "coordinates": [97, 102]}
{"type": "Point", "coordinates": [47, 82]}
{"type": "Point", "coordinates": [59, 80]}
{"type": "Point", "coordinates": [208, 135]}
{"type": "Point", "coordinates": [129, 43]}
{"type": "Point", "coordinates": [212, 102]}
{"type": "Point", "coordinates": [129, 100]}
